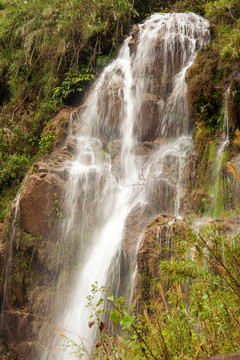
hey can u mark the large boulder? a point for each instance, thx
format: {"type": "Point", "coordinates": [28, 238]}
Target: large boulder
{"type": "Point", "coordinates": [148, 121]}
{"type": "Point", "coordinates": [37, 201]}
{"type": "Point", "coordinates": [133, 42]}
{"type": "Point", "coordinates": [134, 227]}
{"type": "Point", "coordinates": [160, 238]}
{"type": "Point", "coordinates": [161, 195]}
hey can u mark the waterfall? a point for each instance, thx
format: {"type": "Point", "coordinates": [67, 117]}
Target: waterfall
{"type": "Point", "coordinates": [134, 138]}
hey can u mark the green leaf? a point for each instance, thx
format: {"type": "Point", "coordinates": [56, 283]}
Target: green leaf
{"type": "Point", "coordinates": [204, 315]}
{"type": "Point", "coordinates": [126, 321]}
{"type": "Point", "coordinates": [120, 300]}
{"type": "Point", "coordinates": [100, 301]}
{"type": "Point", "coordinates": [111, 298]}
{"type": "Point", "coordinates": [114, 316]}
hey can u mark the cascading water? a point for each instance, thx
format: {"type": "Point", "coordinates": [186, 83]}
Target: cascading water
{"type": "Point", "coordinates": [131, 150]}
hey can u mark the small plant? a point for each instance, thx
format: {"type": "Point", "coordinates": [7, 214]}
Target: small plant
{"type": "Point", "coordinates": [46, 142]}
{"type": "Point", "coordinates": [57, 208]}
{"type": "Point", "coordinates": [75, 81]}
{"type": "Point", "coordinates": [13, 169]}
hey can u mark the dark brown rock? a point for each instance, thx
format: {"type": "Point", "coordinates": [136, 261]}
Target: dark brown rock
{"type": "Point", "coordinates": [133, 42]}
{"type": "Point", "coordinates": [144, 149]}
{"type": "Point", "coordinates": [59, 125]}
{"type": "Point", "coordinates": [161, 194]}
{"type": "Point", "coordinates": [37, 202]}
{"type": "Point", "coordinates": [134, 227]}
{"type": "Point", "coordinates": [110, 105]}
{"type": "Point", "coordinates": [146, 129]}
{"type": "Point", "coordinates": [159, 240]}
{"type": "Point", "coordinates": [17, 330]}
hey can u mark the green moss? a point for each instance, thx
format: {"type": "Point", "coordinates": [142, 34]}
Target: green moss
{"type": "Point", "coordinates": [145, 285]}
{"type": "Point", "coordinates": [218, 189]}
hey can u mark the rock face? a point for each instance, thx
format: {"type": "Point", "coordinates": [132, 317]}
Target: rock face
{"type": "Point", "coordinates": [133, 42]}
{"type": "Point", "coordinates": [161, 194]}
{"type": "Point", "coordinates": [111, 97]}
{"type": "Point", "coordinates": [37, 202]}
{"type": "Point", "coordinates": [160, 238]}
{"type": "Point", "coordinates": [30, 250]}
{"type": "Point", "coordinates": [134, 227]}
{"type": "Point", "coordinates": [146, 130]}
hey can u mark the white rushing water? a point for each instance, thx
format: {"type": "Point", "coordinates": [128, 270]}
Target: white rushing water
{"type": "Point", "coordinates": [140, 96]}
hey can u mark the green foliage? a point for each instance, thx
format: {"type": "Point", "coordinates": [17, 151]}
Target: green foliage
{"type": "Point", "coordinates": [223, 11]}
{"type": "Point", "coordinates": [46, 142]}
{"type": "Point", "coordinates": [218, 207]}
{"type": "Point", "coordinates": [57, 208]}
{"type": "Point", "coordinates": [229, 42]}
{"type": "Point", "coordinates": [75, 80]}
{"type": "Point", "coordinates": [13, 169]}
{"type": "Point", "coordinates": [226, 14]}
{"type": "Point", "coordinates": [44, 45]}
{"type": "Point", "coordinates": [7, 196]}
{"type": "Point", "coordinates": [47, 53]}
{"type": "Point", "coordinates": [196, 314]}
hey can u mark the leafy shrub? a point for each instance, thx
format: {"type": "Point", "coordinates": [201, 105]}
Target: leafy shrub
{"type": "Point", "coordinates": [197, 313]}
{"type": "Point", "coordinates": [75, 80]}
{"type": "Point", "coordinates": [46, 142]}
{"type": "Point", "coordinates": [13, 169]}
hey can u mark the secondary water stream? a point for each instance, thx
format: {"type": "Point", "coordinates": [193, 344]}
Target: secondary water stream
{"type": "Point", "coordinates": [219, 162]}
{"type": "Point", "coordinates": [131, 150]}
{"type": "Point", "coordinates": [9, 263]}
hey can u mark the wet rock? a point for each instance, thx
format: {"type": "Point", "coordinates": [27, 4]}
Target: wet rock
{"type": "Point", "coordinates": [161, 195]}
{"type": "Point", "coordinates": [188, 205]}
{"type": "Point", "coordinates": [133, 42]}
{"type": "Point", "coordinates": [60, 125]}
{"type": "Point", "coordinates": [230, 226]}
{"type": "Point", "coordinates": [114, 148]}
{"type": "Point", "coordinates": [134, 227]}
{"type": "Point", "coordinates": [149, 118]}
{"type": "Point", "coordinates": [161, 236]}
{"type": "Point", "coordinates": [110, 105]}
{"type": "Point", "coordinates": [144, 149]}
{"type": "Point", "coordinates": [70, 145]}
{"type": "Point", "coordinates": [37, 202]}
{"type": "Point", "coordinates": [19, 346]}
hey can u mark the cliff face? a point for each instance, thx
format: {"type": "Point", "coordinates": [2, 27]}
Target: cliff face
{"type": "Point", "coordinates": [30, 254]}
{"type": "Point", "coordinates": [159, 243]}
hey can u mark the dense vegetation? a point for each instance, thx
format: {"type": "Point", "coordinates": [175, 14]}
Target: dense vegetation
{"type": "Point", "coordinates": [48, 51]}
{"type": "Point", "coordinates": [196, 308]}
